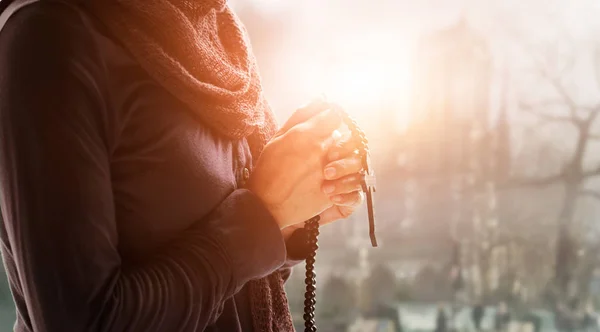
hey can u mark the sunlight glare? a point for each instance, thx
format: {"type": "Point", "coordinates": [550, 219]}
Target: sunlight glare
{"type": "Point", "coordinates": [367, 73]}
{"type": "Point", "coordinates": [359, 83]}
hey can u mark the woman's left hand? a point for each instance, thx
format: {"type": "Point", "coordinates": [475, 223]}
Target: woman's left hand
{"type": "Point", "coordinates": [342, 183]}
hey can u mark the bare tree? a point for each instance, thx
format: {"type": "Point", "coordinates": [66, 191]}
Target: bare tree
{"type": "Point", "coordinates": [561, 108]}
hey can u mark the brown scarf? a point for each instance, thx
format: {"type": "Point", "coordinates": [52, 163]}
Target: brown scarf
{"type": "Point", "coordinates": [199, 51]}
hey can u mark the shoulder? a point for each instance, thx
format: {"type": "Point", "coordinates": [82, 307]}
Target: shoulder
{"type": "Point", "coordinates": [51, 69]}
{"type": "Point", "coordinates": [48, 37]}
{"type": "Point", "coordinates": [47, 25]}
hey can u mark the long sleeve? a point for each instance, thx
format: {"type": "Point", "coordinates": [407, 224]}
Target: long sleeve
{"type": "Point", "coordinates": [297, 251]}
{"type": "Point", "coordinates": [59, 215]}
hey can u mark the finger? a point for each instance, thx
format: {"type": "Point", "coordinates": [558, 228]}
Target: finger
{"type": "Point", "coordinates": [330, 215]}
{"type": "Point", "coordinates": [335, 213]}
{"type": "Point", "coordinates": [304, 113]}
{"type": "Point", "coordinates": [323, 124]}
{"type": "Point", "coordinates": [342, 149]}
{"type": "Point", "coordinates": [340, 168]}
{"type": "Point", "coordinates": [343, 185]}
{"type": "Point", "coordinates": [353, 199]}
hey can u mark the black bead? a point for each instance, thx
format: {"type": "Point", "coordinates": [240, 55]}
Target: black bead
{"type": "Point", "coordinates": [309, 322]}
{"type": "Point", "coordinates": [309, 316]}
{"type": "Point", "coordinates": [309, 302]}
{"type": "Point", "coordinates": [312, 228]}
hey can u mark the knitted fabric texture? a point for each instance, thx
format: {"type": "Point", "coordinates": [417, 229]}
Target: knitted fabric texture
{"type": "Point", "coordinates": [199, 51]}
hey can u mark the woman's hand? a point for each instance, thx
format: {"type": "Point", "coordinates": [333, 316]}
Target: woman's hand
{"type": "Point", "coordinates": [342, 187]}
{"type": "Point", "coordinates": [343, 182]}
{"type": "Point", "coordinates": [288, 176]}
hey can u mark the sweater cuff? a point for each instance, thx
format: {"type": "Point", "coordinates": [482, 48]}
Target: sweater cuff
{"type": "Point", "coordinates": [297, 246]}
{"type": "Point", "coordinates": [250, 235]}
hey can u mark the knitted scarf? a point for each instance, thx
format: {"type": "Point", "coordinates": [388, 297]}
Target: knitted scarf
{"type": "Point", "coordinates": [199, 51]}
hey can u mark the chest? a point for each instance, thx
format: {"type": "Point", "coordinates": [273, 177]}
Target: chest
{"type": "Point", "coordinates": [168, 170]}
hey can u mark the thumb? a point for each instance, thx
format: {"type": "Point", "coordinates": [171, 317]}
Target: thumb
{"type": "Point", "coordinates": [335, 213]}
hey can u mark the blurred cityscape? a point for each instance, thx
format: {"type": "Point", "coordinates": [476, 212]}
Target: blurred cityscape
{"type": "Point", "coordinates": [482, 121]}
{"type": "Point", "coordinates": [481, 117]}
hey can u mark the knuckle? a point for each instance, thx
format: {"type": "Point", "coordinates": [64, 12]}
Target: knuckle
{"type": "Point", "coordinates": [298, 138]}
{"type": "Point", "coordinates": [314, 144]}
{"type": "Point", "coordinates": [357, 186]}
{"type": "Point", "coordinates": [297, 132]}
{"type": "Point", "coordinates": [350, 183]}
{"type": "Point", "coordinates": [345, 212]}
{"type": "Point", "coordinates": [356, 164]}
{"type": "Point", "coordinates": [347, 146]}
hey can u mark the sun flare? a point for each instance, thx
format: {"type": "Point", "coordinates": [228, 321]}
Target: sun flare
{"type": "Point", "coordinates": [360, 83]}
{"type": "Point", "coordinates": [362, 78]}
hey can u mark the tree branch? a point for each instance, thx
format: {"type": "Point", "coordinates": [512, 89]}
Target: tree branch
{"type": "Point", "coordinates": [590, 193]}
{"type": "Point", "coordinates": [562, 91]}
{"type": "Point", "coordinates": [591, 116]}
{"type": "Point", "coordinates": [536, 110]}
{"type": "Point", "coordinates": [591, 173]}
{"type": "Point", "coordinates": [517, 182]}
{"type": "Point", "coordinates": [556, 82]}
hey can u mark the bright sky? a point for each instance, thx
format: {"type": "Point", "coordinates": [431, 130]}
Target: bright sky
{"type": "Point", "coordinates": [374, 41]}
{"type": "Point", "coordinates": [359, 82]}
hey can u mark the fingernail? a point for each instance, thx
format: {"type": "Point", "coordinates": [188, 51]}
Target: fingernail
{"type": "Point", "coordinates": [329, 188]}
{"type": "Point", "coordinates": [336, 198]}
{"type": "Point", "coordinates": [329, 172]}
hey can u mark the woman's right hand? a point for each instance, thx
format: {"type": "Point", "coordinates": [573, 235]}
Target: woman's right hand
{"type": "Point", "coordinates": [289, 173]}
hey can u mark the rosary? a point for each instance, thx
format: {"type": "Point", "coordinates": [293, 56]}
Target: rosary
{"type": "Point", "coordinates": [312, 225]}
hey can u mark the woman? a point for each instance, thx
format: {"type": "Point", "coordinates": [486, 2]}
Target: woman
{"type": "Point", "coordinates": [137, 190]}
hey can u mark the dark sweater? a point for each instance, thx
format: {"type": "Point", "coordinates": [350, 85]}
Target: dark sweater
{"type": "Point", "coordinates": [122, 212]}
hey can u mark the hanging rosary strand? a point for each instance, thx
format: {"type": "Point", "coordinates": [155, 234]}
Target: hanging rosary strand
{"type": "Point", "coordinates": [312, 225]}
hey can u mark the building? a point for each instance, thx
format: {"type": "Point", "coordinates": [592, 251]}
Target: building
{"type": "Point", "coordinates": [450, 159]}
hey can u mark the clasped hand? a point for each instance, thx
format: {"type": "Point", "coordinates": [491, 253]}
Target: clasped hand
{"type": "Point", "coordinates": [307, 169]}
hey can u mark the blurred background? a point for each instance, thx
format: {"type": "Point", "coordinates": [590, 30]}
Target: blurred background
{"type": "Point", "coordinates": [482, 121]}
{"type": "Point", "coordinates": [481, 117]}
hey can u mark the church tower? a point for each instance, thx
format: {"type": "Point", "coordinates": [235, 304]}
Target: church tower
{"type": "Point", "coordinates": [451, 101]}
{"type": "Point", "coordinates": [455, 151]}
